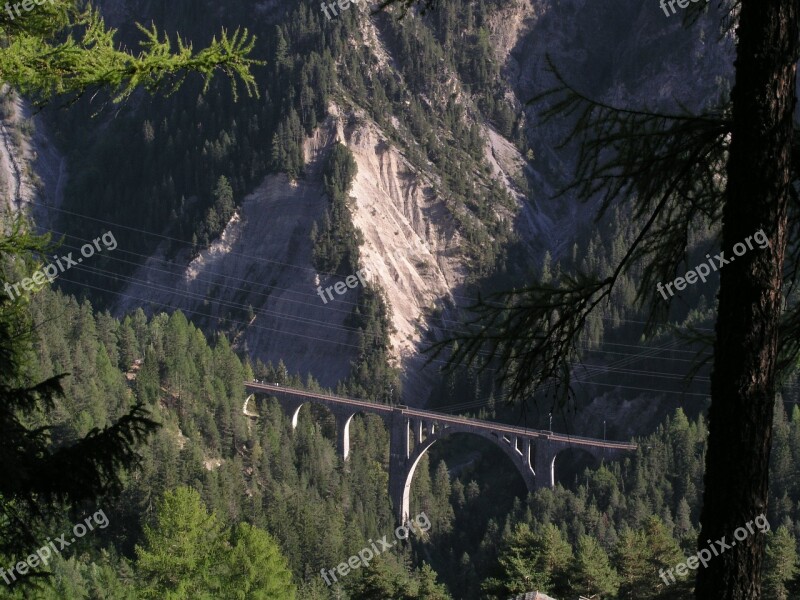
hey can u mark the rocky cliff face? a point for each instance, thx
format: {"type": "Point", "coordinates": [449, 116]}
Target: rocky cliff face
{"type": "Point", "coordinates": [263, 259]}
{"type": "Point", "coordinates": [32, 171]}
{"type": "Point", "coordinates": [412, 248]}
{"type": "Point", "coordinates": [259, 274]}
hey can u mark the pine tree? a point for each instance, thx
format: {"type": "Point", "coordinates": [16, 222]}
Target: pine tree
{"type": "Point", "coordinates": [631, 562]}
{"type": "Point", "coordinates": [223, 199]}
{"type": "Point", "coordinates": [256, 570]}
{"type": "Point", "coordinates": [780, 564]}
{"type": "Point", "coordinates": [180, 556]}
{"type": "Point", "coordinates": [592, 572]}
{"type": "Point", "coordinates": [555, 557]}
{"type": "Point", "coordinates": [532, 562]}
{"type": "Point", "coordinates": [429, 589]}
{"type": "Point", "coordinates": [441, 491]}
{"type": "Point", "coordinates": [382, 579]}
{"type": "Point", "coordinates": [641, 555]}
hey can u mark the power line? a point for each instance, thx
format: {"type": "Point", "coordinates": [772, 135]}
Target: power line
{"type": "Point", "coordinates": [266, 312]}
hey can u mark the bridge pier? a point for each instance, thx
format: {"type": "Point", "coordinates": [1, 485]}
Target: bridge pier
{"type": "Point", "coordinates": [544, 464]}
{"type": "Point", "coordinates": [399, 452]}
{"type": "Point", "coordinates": [343, 435]}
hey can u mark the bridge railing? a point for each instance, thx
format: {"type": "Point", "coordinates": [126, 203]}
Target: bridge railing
{"type": "Point", "coordinates": [442, 418]}
{"type": "Point", "coordinates": [307, 394]}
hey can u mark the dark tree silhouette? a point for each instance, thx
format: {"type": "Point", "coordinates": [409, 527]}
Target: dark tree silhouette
{"type": "Point", "coordinates": [38, 474]}
{"type": "Point", "coordinates": [750, 297]}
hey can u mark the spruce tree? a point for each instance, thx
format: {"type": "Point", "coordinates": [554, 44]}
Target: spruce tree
{"type": "Point", "coordinates": [180, 558]}
{"type": "Point", "coordinates": [780, 564]}
{"type": "Point", "coordinates": [592, 572]}
{"type": "Point", "coordinates": [255, 568]}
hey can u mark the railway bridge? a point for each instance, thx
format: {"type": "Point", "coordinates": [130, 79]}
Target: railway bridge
{"type": "Point", "coordinates": [413, 431]}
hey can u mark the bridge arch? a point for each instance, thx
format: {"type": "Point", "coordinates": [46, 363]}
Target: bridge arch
{"type": "Point", "coordinates": [572, 458]}
{"type": "Point", "coordinates": [343, 416]}
{"type": "Point", "coordinates": [343, 421]}
{"type": "Point", "coordinates": [294, 415]}
{"type": "Point", "coordinates": [318, 413]}
{"type": "Point", "coordinates": [518, 450]}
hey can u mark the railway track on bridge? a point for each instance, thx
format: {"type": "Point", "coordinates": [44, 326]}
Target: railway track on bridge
{"type": "Point", "coordinates": [441, 417]}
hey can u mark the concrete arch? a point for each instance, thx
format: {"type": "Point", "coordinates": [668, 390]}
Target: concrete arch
{"type": "Point", "coordinates": [294, 410]}
{"type": "Point", "coordinates": [293, 407]}
{"type": "Point", "coordinates": [342, 415]}
{"type": "Point", "coordinates": [401, 492]}
{"type": "Point", "coordinates": [295, 415]}
{"type": "Point", "coordinates": [584, 451]}
{"type": "Point", "coordinates": [576, 450]}
{"type": "Point", "coordinates": [598, 454]}
{"type": "Point", "coordinates": [343, 420]}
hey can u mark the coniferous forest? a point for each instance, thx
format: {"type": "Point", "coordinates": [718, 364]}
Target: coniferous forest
{"type": "Point", "coordinates": [220, 484]}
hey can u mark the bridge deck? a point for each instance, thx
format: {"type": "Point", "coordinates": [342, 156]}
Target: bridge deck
{"type": "Point", "coordinates": [488, 426]}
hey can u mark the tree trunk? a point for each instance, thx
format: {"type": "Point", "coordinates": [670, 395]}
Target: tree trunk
{"type": "Point", "coordinates": [745, 353]}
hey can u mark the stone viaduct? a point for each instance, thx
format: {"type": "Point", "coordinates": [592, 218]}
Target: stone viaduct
{"type": "Point", "coordinates": [412, 431]}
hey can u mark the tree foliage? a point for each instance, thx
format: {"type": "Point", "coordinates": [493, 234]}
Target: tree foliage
{"type": "Point", "coordinates": [62, 49]}
{"type": "Point", "coordinates": [336, 241]}
{"type": "Point", "coordinates": [592, 572]}
{"type": "Point", "coordinates": [181, 552]}
{"type": "Point", "coordinates": [186, 555]}
{"type": "Point", "coordinates": [780, 566]}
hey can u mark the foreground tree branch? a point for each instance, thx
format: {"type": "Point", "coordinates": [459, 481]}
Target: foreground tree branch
{"type": "Point", "coordinates": [71, 52]}
{"type": "Point", "coordinates": [62, 50]}
{"type": "Point", "coordinates": [669, 167]}
{"type": "Point", "coordinates": [37, 475]}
